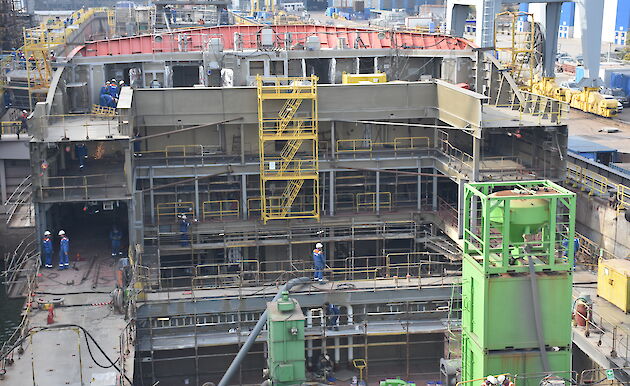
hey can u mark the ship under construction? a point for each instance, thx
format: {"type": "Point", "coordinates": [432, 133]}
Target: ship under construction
{"type": "Point", "coordinates": [255, 196]}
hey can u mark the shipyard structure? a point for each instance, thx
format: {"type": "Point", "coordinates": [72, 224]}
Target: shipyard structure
{"type": "Point", "coordinates": [442, 194]}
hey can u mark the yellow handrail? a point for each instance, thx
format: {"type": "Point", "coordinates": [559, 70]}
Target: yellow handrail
{"type": "Point", "coordinates": [221, 209]}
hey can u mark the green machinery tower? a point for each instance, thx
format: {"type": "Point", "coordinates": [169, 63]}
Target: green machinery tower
{"type": "Point", "coordinates": [285, 342]}
{"type": "Point", "coordinates": [517, 280]}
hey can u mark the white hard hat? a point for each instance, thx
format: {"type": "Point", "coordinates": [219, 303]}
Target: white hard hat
{"type": "Point", "coordinates": [492, 380]}
{"type": "Point", "coordinates": [184, 216]}
{"type": "Point", "coordinates": [319, 245]}
{"type": "Point", "coordinates": [113, 80]}
{"type": "Point", "coordinates": [61, 233]}
{"type": "Point", "coordinates": [24, 111]}
{"type": "Point", "coordinates": [501, 378]}
{"type": "Point", "coordinates": [121, 82]}
{"type": "Point", "coordinates": [47, 233]}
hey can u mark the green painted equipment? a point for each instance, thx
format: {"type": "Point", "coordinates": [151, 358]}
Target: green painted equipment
{"type": "Point", "coordinates": [396, 382]}
{"type": "Point", "coordinates": [285, 341]}
{"type": "Point", "coordinates": [516, 280]}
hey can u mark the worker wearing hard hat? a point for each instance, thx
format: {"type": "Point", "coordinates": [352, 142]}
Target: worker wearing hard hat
{"type": "Point", "coordinates": [490, 380]}
{"type": "Point", "coordinates": [504, 381]}
{"type": "Point", "coordinates": [47, 248]}
{"type": "Point", "coordinates": [319, 262]}
{"type": "Point", "coordinates": [184, 225]}
{"type": "Point", "coordinates": [64, 250]}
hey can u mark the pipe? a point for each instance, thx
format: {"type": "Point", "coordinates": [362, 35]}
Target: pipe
{"type": "Point", "coordinates": [255, 332]}
{"type": "Point", "coordinates": [536, 305]}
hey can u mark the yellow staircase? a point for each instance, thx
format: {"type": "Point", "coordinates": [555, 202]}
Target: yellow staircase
{"type": "Point", "coordinates": [294, 169]}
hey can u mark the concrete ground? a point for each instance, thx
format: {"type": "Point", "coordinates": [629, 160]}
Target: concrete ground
{"type": "Point", "coordinates": [60, 356]}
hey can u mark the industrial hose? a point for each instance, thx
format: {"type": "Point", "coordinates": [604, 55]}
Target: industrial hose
{"type": "Point", "coordinates": [536, 305]}
{"type": "Point", "coordinates": [255, 332]}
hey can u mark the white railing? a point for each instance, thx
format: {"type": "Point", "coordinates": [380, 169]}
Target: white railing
{"type": "Point", "coordinates": [20, 196]}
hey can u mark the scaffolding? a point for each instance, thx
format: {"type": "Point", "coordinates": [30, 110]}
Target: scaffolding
{"type": "Point", "coordinates": [518, 54]}
{"type": "Point", "coordinates": [287, 121]}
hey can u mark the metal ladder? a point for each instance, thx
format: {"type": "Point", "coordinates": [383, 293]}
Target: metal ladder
{"type": "Point", "coordinates": [290, 193]}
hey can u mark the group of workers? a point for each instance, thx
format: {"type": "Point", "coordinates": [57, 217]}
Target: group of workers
{"type": "Point", "coordinates": [108, 97]}
{"type": "Point", "coordinates": [500, 380]}
{"type": "Point", "coordinates": [64, 250]}
{"type": "Point", "coordinates": [115, 236]}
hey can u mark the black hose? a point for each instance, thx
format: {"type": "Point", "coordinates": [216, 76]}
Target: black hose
{"type": "Point", "coordinates": [33, 330]}
{"type": "Point", "coordinates": [73, 293]}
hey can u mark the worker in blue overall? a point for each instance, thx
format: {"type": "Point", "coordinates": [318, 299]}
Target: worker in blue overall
{"type": "Point", "coordinates": [576, 248]}
{"type": "Point", "coordinates": [47, 248]}
{"type": "Point", "coordinates": [184, 238]}
{"type": "Point", "coordinates": [319, 262]}
{"type": "Point", "coordinates": [113, 89]}
{"type": "Point", "coordinates": [104, 89]}
{"type": "Point", "coordinates": [115, 235]}
{"type": "Point", "coordinates": [332, 315]}
{"type": "Point", "coordinates": [64, 250]}
{"type": "Point", "coordinates": [80, 150]}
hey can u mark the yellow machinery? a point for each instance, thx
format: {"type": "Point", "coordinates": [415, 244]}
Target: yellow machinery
{"type": "Point", "coordinates": [289, 163]}
{"type": "Point", "coordinates": [588, 100]}
{"type": "Point", "coordinates": [613, 282]}
{"type": "Point", "coordinates": [591, 101]}
{"type": "Point", "coordinates": [517, 53]}
{"type": "Point", "coordinates": [379, 77]}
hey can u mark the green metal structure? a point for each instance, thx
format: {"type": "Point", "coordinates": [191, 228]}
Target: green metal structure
{"type": "Point", "coordinates": [517, 280]}
{"type": "Point", "coordinates": [285, 341]}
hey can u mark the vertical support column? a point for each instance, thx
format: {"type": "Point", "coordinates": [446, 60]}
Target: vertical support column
{"type": "Point", "coordinates": [552, 24]}
{"type": "Point", "coordinates": [337, 350]}
{"type": "Point", "coordinates": [151, 195]}
{"type": "Point", "coordinates": [242, 128]}
{"type": "Point", "coordinates": [434, 194]}
{"type": "Point", "coordinates": [460, 207]}
{"type": "Point", "coordinates": [476, 158]}
{"type": "Point", "coordinates": [3, 182]}
{"type": "Point", "coordinates": [378, 192]}
{"type": "Point", "coordinates": [333, 141]}
{"type": "Point", "coordinates": [196, 195]}
{"type": "Point", "coordinates": [592, 13]}
{"type": "Point", "coordinates": [331, 191]}
{"type": "Point", "coordinates": [244, 209]}
{"type": "Point", "coordinates": [419, 207]}
{"type": "Point", "coordinates": [479, 72]}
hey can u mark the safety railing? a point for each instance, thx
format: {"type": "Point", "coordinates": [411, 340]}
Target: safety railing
{"type": "Point", "coordinates": [532, 108]}
{"type": "Point", "coordinates": [169, 234]}
{"type": "Point", "coordinates": [596, 184]}
{"type": "Point", "coordinates": [10, 127]}
{"type": "Point", "coordinates": [287, 87]}
{"type": "Point", "coordinates": [171, 211]}
{"type": "Point", "coordinates": [29, 272]}
{"type": "Point", "coordinates": [83, 187]}
{"type": "Point", "coordinates": [75, 126]}
{"type": "Point", "coordinates": [371, 201]}
{"type": "Point", "coordinates": [126, 343]}
{"type": "Point", "coordinates": [251, 272]}
{"type": "Point", "coordinates": [276, 166]}
{"type": "Point", "coordinates": [21, 196]}
{"type": "Point", "coordinates": [220, 209]}
{"type": "Point", "coordinates": [366, 147]}
{"type": "Point", "coordinates": [602, 376]}
{"type": "Point", "coordinates": [611, 337]}
{"type": "Point", "coordinates": [456, 156]}
{"type": "Point", "coordinates": [300, 128]}
{"type": "Point", "coordinates": [399, 263]}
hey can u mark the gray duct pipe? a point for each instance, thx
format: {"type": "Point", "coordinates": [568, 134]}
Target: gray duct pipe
{"type": "Point", "coordinates": [254, 334]}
